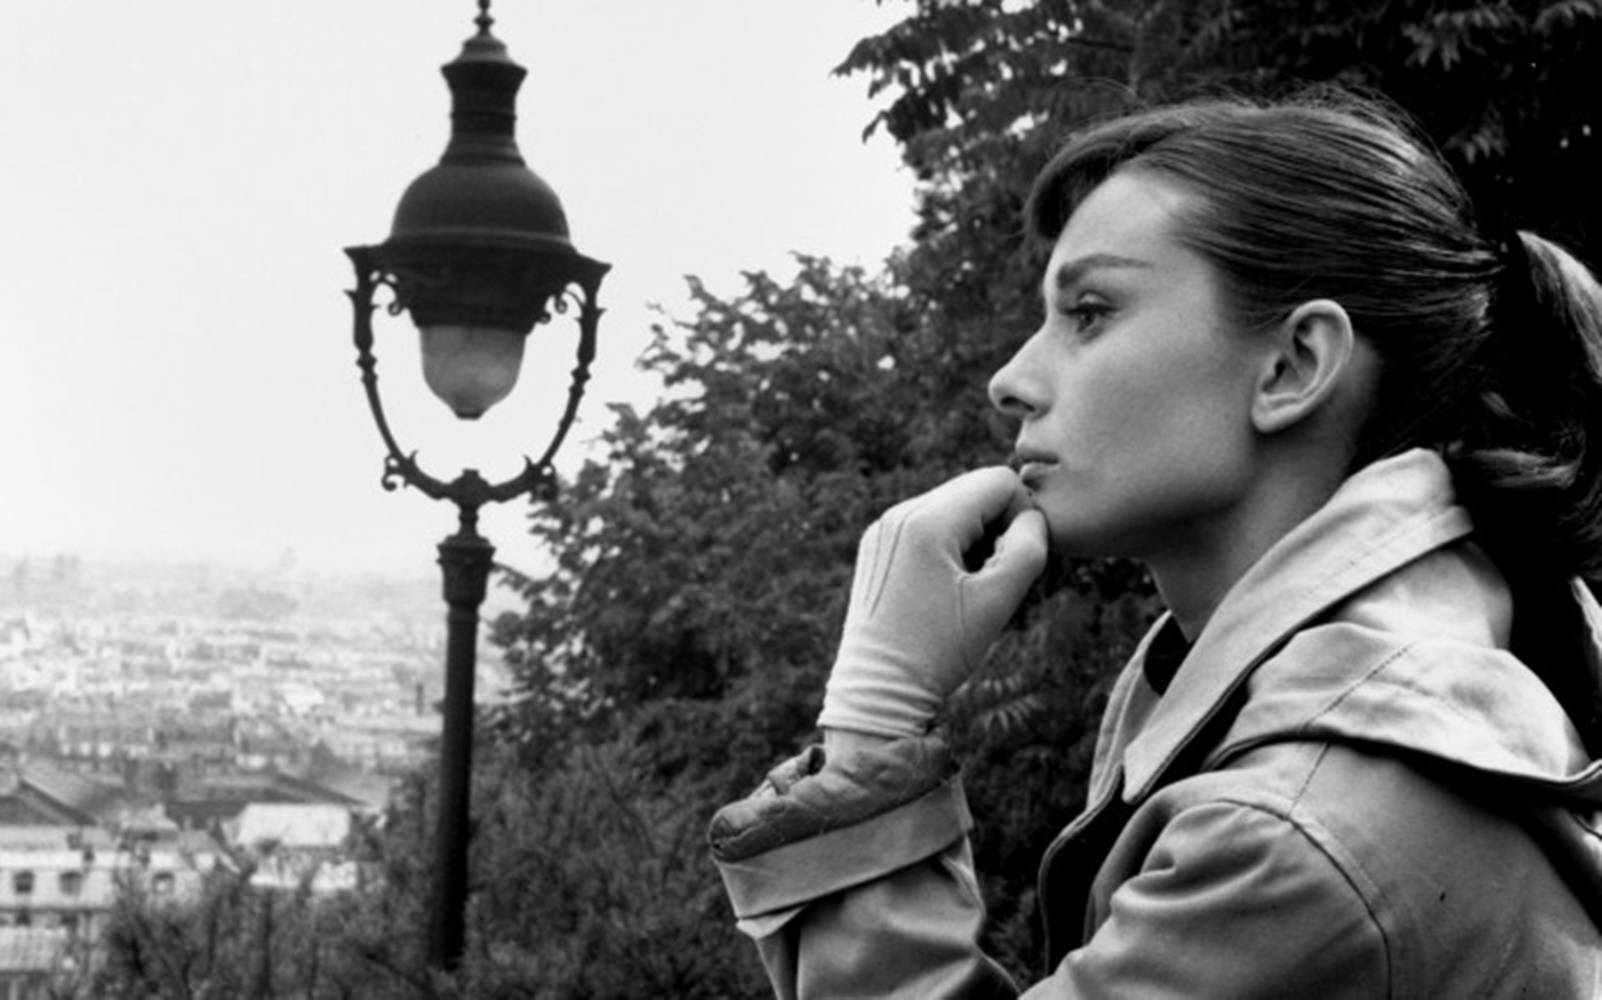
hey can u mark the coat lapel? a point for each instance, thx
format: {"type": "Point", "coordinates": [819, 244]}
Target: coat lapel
{"type": "Point", "coordinates": [1383, 518]}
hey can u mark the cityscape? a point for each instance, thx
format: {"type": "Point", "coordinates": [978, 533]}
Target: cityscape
{"type": "Point", "coordinates": [157, 718]}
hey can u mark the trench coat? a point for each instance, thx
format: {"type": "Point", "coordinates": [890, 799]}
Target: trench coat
{"type": "Point", "coordinates": [1348, 787]}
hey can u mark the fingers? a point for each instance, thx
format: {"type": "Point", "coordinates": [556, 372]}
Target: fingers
{"type": "Point", "coordinates": [989, 597]}
{"type": "Point", "coordinates": [1021, 551]}
{"type": "Point", "coordinates": [918, 620]}
{"type": "Point", "coordinates": [962, 507]}
{"type": "Point", "coordinates": [959, 522]}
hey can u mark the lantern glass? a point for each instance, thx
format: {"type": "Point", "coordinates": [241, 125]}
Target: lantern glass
{"type": "Point", "coordinates": [470, 368]}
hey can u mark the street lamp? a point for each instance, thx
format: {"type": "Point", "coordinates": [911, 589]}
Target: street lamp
{"type": "Point", "coordinates": [479, 255]}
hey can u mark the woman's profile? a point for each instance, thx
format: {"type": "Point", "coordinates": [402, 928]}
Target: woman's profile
{"type": "Point", "coordinates": [1355, 436]}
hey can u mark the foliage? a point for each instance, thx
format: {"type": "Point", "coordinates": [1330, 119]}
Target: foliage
{"type": "Point", "coordinates": [593, 881]}
{"type": "Point", "coordinates": [234, 941]}
{"type": "Point", "coordinates": [979, 91]}
{"type": "Point", "coordinates": [679, 648]}
{"type": "Point", "coordinates": [702, 563]}
{"type": "Point", "coordinates": [678, 645]}
{"type": "Point", "coordinates": [707, 555]}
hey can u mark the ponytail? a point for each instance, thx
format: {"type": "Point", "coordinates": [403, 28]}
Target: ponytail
{"type": "Point", "coordinates": [1490, 353]}
{"type": "Point", "coordinates": [1527, 456]}
{"type": "Point", "coordinates": [1528, 462]}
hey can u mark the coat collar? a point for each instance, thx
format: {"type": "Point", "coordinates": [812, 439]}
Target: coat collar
{"type": "Point", "coordinates": [1384, 517]}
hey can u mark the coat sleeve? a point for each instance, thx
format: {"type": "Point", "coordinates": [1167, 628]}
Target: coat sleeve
{"type": "Point", "coordinates": [858, 881]}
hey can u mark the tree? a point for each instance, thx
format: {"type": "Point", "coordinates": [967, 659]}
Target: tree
{"type": "Point", "coordinates": [235, 940]}
{"type": "Point", "coordinates": [706, 557]}
{"type": "Point", "coordinates": [979, 91]}
{"type": "Point", "coordinates": [684, 636]}
{"type": "Point", "coordinates": [678, 646]}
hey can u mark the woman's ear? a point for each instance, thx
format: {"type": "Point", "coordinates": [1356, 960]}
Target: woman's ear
{"type": "Point", "coordinates": [1310, 356]}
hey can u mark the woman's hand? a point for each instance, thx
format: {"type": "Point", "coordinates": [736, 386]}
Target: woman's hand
{"type": "Point", "coordinates": [919, 620]}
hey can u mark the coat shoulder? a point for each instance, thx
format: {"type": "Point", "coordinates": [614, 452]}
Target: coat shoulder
{"type": "Point", "coordinates": [1440, 860]}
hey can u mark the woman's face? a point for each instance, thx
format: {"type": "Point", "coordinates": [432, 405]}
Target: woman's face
{"type": "Point", "coordinates": [1135, 393]}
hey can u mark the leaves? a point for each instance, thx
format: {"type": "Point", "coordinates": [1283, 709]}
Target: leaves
{"type": "Point", "coordinates": [978, 94]}
{"type": "Point", "coordinates": [712, 547]}
{"type": "Point", "coordinates": [677, 644]}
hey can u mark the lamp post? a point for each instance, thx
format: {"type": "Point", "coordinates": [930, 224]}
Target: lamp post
{"type": "Point", "coordinates": [479, 255]}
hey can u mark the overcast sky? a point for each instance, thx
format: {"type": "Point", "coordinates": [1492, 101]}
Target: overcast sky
{"type": "Point", "coordinates": [179, 180]}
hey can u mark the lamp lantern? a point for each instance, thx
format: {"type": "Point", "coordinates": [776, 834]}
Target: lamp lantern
{"type": "Point", "coordinates": [479, 255]}
{"type": "Point", "coordinates": [479, 247]}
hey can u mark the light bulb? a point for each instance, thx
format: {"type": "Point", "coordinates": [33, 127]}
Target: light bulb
{"type": "Point", "coordinates": [470, 368]}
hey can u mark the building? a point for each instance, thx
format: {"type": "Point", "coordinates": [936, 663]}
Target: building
{"type": "Point", "coordinates": [31, 959]}
{"type": "Point", "coordinates": [296, 845]}
{"type": "Point", "coordinates": [42, 794]}
{"type": "Point", "coordinates": [69, 878]}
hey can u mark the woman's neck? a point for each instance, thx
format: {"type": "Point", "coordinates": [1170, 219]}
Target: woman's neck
{"type": "Point", "coordinates": [1193, 575]}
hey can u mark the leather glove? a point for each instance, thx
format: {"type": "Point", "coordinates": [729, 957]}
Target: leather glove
{"type": "Point", "coordinates": [919, 621]}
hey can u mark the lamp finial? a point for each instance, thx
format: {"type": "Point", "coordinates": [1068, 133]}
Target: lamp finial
{"type": "Point", "coordinates": [483, 20]}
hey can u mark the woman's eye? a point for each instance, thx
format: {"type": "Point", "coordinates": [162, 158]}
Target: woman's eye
{"type": "Point", "coordinates": [1085, 315]}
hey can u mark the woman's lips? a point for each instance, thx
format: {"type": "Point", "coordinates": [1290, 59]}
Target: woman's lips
{"type": "Point", "coordinates": [1032, 468]}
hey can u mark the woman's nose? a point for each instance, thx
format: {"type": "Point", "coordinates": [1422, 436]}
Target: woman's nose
{"type": "Point", "coordinates": [1011, 390]}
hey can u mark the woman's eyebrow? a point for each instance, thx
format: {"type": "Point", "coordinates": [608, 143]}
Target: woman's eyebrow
{"type": "Point", "coordinates": [1074, 271]}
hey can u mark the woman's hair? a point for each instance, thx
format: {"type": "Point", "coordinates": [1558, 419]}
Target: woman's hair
{"type": "Point", "coordinates": [1489, 342]}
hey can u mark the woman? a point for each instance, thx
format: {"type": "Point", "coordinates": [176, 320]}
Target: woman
{"type": "Point", "coordinates": [1355, 440]}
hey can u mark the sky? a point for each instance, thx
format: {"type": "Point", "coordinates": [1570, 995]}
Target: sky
{"type": "Point", "coordinates": [179, 180]}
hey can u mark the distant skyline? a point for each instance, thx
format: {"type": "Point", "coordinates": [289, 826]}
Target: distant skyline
{"type": "Point", "coordinates": [176, 373]}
